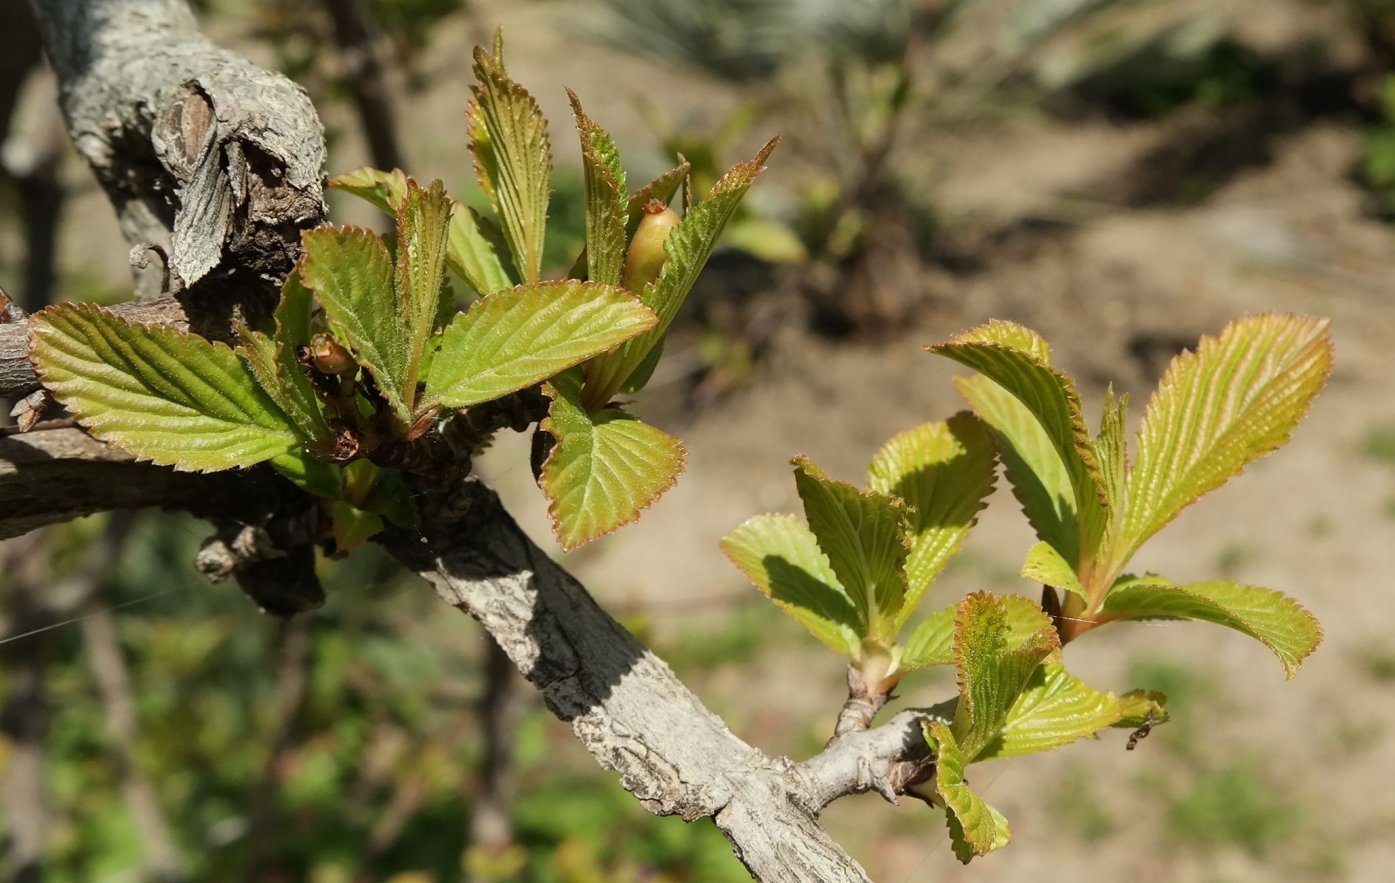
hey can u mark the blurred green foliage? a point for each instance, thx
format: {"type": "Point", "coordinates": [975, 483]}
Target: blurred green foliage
{"type": "Point", "coordinates": [370, 776]}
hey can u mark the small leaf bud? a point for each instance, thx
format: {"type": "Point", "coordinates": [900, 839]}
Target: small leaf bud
{"type": "Point", "coordinates": [329, 357]}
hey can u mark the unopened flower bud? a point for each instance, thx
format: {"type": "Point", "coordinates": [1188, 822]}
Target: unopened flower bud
{"type": "Point", "coordinates": [646, 256]}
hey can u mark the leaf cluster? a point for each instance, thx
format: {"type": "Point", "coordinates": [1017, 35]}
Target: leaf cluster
{"type": "Point", "coordinates": [368, 374]}
{"type": "Point", "coordinates": [855, 568]}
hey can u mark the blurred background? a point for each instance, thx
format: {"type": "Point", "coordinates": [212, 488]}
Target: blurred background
{"type": "Point", "coordinates": [1121, 175]}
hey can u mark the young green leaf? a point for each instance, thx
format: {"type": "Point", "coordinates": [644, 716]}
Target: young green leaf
{"type": "Point", "coordinates": [864, 535]}
{"type": "Point", "coordinates": [172, 398]}
{"type": "Point", "coordinates": [514, 158]}
{"type": "Point", "coordinates": [931, 642]}
{"type": "Point", "coordinates": [781, 556]}
{"type": "Point", "coordinates": [515, 338]}
{"type": "Point", "coordinates": [605, 198]}
{"type": "Point", "coordinates": [311, 475]}
{"type": "Point", "coordinates": [993, 667]}
{"type": "Point", "coordinates": [273, 362]}
{"type": "Point", "coordinates": [975, 828]}
{"type": "Point", "coordinates": [604, 469]}
{"type": "Point", "coordinates": [1111, 449]}
{"type": "Point", "coordinates": [1054, 709]}
{"type": "Point", "coordinates": [1018, 360]}
{"type": "Point", "coordinates": [1274, 619]}
{"type": "Point", "coordinates": [351, 272]}
{"type": "Point", "coordinates": [1046, 566]}
{"type": "Point", "coordinates": [423, 224]}
{"type": "Point", "coordinates": [383, 189]}
{"type": "Point", "coordinates": [1237, 398]}
{"type": "Point", "coordinates": [476, 250]}
{"type": "Point", "coordinates": [473, 247]}
{"type": "Point", "coordinates": [688, 246]}
{"type": "Point", "coordinates": [1038, 478]}
{"type": "Point", "coordinates": [944, 472]}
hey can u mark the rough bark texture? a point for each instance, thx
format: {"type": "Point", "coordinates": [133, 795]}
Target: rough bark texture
{"type": "Point", "coordinates": [630, 711]}
{"type": "Point", "coordinates": [215, 161]}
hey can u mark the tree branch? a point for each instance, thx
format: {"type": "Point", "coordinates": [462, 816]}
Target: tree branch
{"type": "Point", "coordinates": [204, 155]}
{"type": "Point", "coordinates": [634, 716]}
{"type": "Point", "coordinates": [51, 475]}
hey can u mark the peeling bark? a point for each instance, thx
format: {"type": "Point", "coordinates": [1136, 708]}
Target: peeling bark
{"type": "Point", "coordinates": [216, 162]}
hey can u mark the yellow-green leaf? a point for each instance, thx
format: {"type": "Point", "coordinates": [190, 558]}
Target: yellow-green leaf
{"type": "Point", "coordinates": [351, 273]}
{"type": "Point", "coordinates": [1046, 566]}
{"type": "Point", "coordinates": [383, 189]}
{"type": "Point", "coordinates": [1054, 709]}
{"type": "Point", "coordinates": [1272, 618]}
{"type": "Point", "coordinates": [605, 199]}
{"type": "Point", "coordinates": [172, 398]}
{"type": "Point", "coordinates": [975, 828]}
{"type": "Point", "coordinates": [423, 224]}
{"type": "Point", "coordinates": [513, 339]}
{"type": "Point", "coordinates": [780, 555]}
{"type": "Point", "coordinates": [993, 667]}
{"type": "Point", "coordinates": [1237, 398]}
{"type": "Point", "coordinates": [514, 159]}
{"type": "Point", "coordinates": [1038, 478]}
{"type": "Point", "coordinates": [944, 472]}
{"type": "Point", "coordinates": [604, 469]}
{"type": "Point", "coordinates": [1018, 360]}
{"type": "Point", "coordinates": [274, 363]}
{"type": "Point", "coordinates": [864, 535]}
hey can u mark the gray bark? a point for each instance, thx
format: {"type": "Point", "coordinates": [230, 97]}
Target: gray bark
{"type": "Point", "coordinates": [633, 714]}
{"type": "Point", "coordinates": [215, 161]}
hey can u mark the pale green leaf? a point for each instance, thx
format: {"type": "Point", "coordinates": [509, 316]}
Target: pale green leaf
{"type": "Point", "coordinates": [932, 642]}
{"type": "Point", "coordinates": [1111, 449]}
{"type": "Point", "coordinates": [689, 246]}
{"type": "Point", "coordinates": [944, 472]}
{"type": "Point", "coordinates": [476, 251]}
{"type": "Point", "coordinates": [641, 376]}
{"type": "Point", "coordinates": [863, 533]}
{"type": "Point", "coordinates": [779, 554]}
{"type": "Point", "coordinates": [975, 828]}
{"type": "Point", "coordinates": [1035, 472]}
{"type": "Point", "coordinates": [605, 467]}
{"type": "Point", "coordinates": [1236, 398]}
{"type": "Point", "coordinates": [1046, 566]}
{"type": "Point", "coordinates": [383, 189]}
{"type": "Point", "coordinates": [513, 339]}
{"type": "Point", "coordinates": [1018, 360]}
{"type": "Point", "coordinates": [993, 666]}
{"type": "Point", "coordinates": [172, 398]}
{"type": "Point", "coordinates": [516, 159]}
{"type": "Point", "coordinates": [351, 273]}
{"type": "Point", "coordinates": [423, 224]}
{"type": "Point", "coordinates": [1272, 618]}
{"type": "Point", "coordinates": [1054, 709]}
{"type": "Point", "coordinates": [605, 199]}
{"type": "Point", "coordinates": [274, 363]}
{"type": "Point", "coordinates": [311, 475]}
